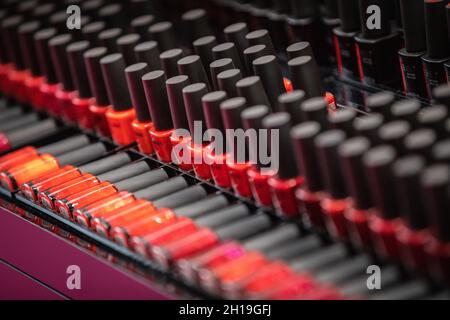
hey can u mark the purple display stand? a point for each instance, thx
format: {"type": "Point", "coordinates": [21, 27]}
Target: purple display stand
{"type": "Point", "coordinates": [35, 263]}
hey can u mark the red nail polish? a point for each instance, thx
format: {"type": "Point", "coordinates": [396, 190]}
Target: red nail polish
{"type": "Point", "coordinates": [252, 119]}
{"type": "Point", "coordinates": [335, 201]}
{"type": "Point", "coordinates": [309, 195]}
{"type": "Point", "coordinates": [287, 180]}
{"type": "Point", "coordinates": [158, 102]}
{"type": "Point", "coordinates": [121, 115]}
{"type": "Point", "coordinates": [384, 222]}
{"type": "Point", "coordinates": [101, 104]}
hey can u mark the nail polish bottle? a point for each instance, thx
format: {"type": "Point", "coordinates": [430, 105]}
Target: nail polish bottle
{"type": "Point", "coordinates": [407, 110]}
{"type": "Point", "coordinates": [236, 33]}
{"type": "Point", "coordinates": [315, 109]}
{"type": "Point", "coordinates": [180, 136]}
{"type": "Point", "coordinates": [140, 25]}
{"type": "Point", "coordinates": [82, 98]}
{"type": "Point", "coordinates": [305, 75]}
{"type": "Point", "coordinates": [368, 127]}
{"type": "Point", "coordinates": [192, 67]}
{"type": "Point", "coordinates": [252, 120]}
{"type": "Point", "coordinates": [290, 102]}
{"type": "Point", "coordinates": [394, 134]}
{"type": "Point", "coordinates": [227, 50]}
{"type": "Point", "coordinates": [251, 88]}
{"type": "Point", "coordinates": [384, 223]}
{"type": "Point", "coordinates": [435, 181]}
{"type": "Point", "coordinates": [91, 31]}
{"type": "Point", "coordinates": [330, 20]}
{"type": "Point", "coordinates": [164, 33]}
{"type": "Point", "coordinates": [158, 103]}
{"type": "Point", "coordinates": [216, 154]}
{"type": "Point", "coordinates": [169, 61]}
{"type": "Point", "coordinates": [108, 38]}
{"type": "Point", "coordinates": [413, 18]}
{"type": "Point", "coordinates": [148, 53]}
{"type": "Point", "coordinates": [196, 24]}
{"type": "Point", "coordinates": [192, 96]}
{"type": "Point", "coordinates": [126, 44]}
{"type": "Point", "coordinates": [413, 234]}
{"type": "Point", "coordinates": [381, 102]}
{"type": "Point", "coordinates": [342, 119]}
{"type": "Point", "coordinates": [435, 118]}
{"type": "Point", "coordinates": [227, 80]}
{"type": "Point", "coordinates": [309, 195]}
{"type": "Point", "coordinates": [203, 47]}
{"type": "Point", "coordinates": [261, 37]}
{"type": "Point", "coordinates": [114, 15]}
{"type": "Point", "coordinates": [122, 114]}
{"type": "Point", "coordinates": [17, 175]}
{"type": "Point", "coordinates": [344, 39]}
{"type": "Point", "coordinates": [335, 200]}
{"type": "Point", "coordinates": [377, 48]}
{"type": "Point", "coordinates": [23, 136]}
{"type": "Point", "coordinates": [218, 66]}
{"type": "Point", "coordinates": [420, 142]}
{"type": "Point", "coordinates": [101, 105]}
{"type": "Point", "coordinates": [5, 63]}
{"type": "Point", "coordinates": [35, 78]}
{"type": "Point", "coordinates": [268, 70]}
{"type": "Point", "coordinates": [142, 124]}
{"type": "Point", "coordinates": [438, 47]}
{"type": "Point", "coordinates": [252, 53]}
{"type": "Point", "coordinates": [286, 180]}
{"type": "Point", "coordinates": [357, 215]}
{"type": "Point", "coordinates": [238, 164]}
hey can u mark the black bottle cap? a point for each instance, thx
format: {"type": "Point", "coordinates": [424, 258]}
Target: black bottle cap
{"type": "Point", "coordinates": [134, 75]}
{"type": "Point", "coordinates": [26, 38]}
{"type": "Point", "coordinates": [199, 208]}
{"type": "Point", "coordinates": [75, 52]}
{"type": "Point", "coordinates": [10, 26]}
{"type": "Point", "coordinates": [227, 50]}
{"type": "Point", "coordinates": [236, 33]}
{"type": "Point", "coordinates": [342, 119]}
{"type": "Point", "coordinates": [291, 103]}
{"type": "Point", "coordinates": [114, 15]}
{"type": "Point", "coordinates": [378, 31]}
{"type": "Point", "coordinates": [382, 103]}
{"type": "Point", "coordinates": [245, 227]}
{"type": "Point", "coordinates": [108, 38]}
{"type": "Point", "coordinates": [218, 66]}
{"type": "Point", "coordinates": [227, 80]}
{"type": "Point", "coordinates": [281, 122]}
{"type": "Point", "coordinates": [65, 145]}
{"type": "Point", "coordinates": [407, 110]}
{"type": "Point", "coordinates": [142, 180]}
{"type": "Point", "coordinates": [316, 109]}
{"type": "Point", "coordinates": [124, 172]}
{"type": "Point", "coordinates": [378, 163]}
{"type": "Point", "coordinates": [305, 75]}
{"type": "Point", "coordinates": [261, 36]}
{"type": "Point", "coordinates": [141, 24]}
{"type": "Point", "coordinates": [169, 61]}
{"type": "Point", "coordinates": [327, 144]}
{"type": "Point", "coordinates": [92, 59]}
{"type": "Point", "coordinates": [441, 152]}
{"type": "Point", "coordinates": [164, 34]}
{"type": "Point", "coordinates": [91, 31]}
{"type": "Point", "coordinates": [299, 49]}
{"type": "Point", "coordinates": [304, 8]}
{"type": "Point", "coordinates": [394, 134]}
{"type": "Point", "coordinates": [413, 20]}
{"type": "Point", "coordinates": [196, 24]}
{"type": "Point", "coordinates": [349, 15]}
{"type": "Point", "coordinates": [106, 164]}
{"type": "Point", "coordinates": [252, 89]}
{"type": "Point", "coordinates": [41, 39]}
{"type": "Point", "coordinates": [407, 172]}
{"type": "Point", "coordinates": [223, 216]}
{"type": "Point", "coordinates": [442, 93]}
{"type": "Point", "coordinates": [43, 11]}
{"type": "Point", "coordinates": [351, 153]}
{"type": "Point", "coordinates": [435, 183]}
{"type": "Point", "coordinates": [113, 68]}
{"type": "Point", "coordinates": [231, 110]}
{"type": "Point", "coordinates": [203, 48]}
{"type": "Point", "coordinates": [91, 7]}
{"type": "Point", "coordinates": [192, 96]}
{"type": "Point", "coordinates": [35, 132]}
{"type": "Point", "coordinates": [83, 154]}
{"type": "Point", "coordinates": [303, 136]}
{"type": "Point", "coordinates": [438, 45]}
{"type": "Point", "coordinates": [58, 46]}
{"type": "Point", "coordinates": [192, 67]}
{"type": "Point", "coordinates": [157, 99]}
{"type": "Point", "coordinates": [434, 118]}
{"type": "Point", "coordinates": [126, 44]}
{"type": "Point", "coordinates": [211, 109]}
{"type": "Point", "coordinates": [182, 197]}
{"type": "Point", "coordinates": [162, 189]}
{"type": "Point", "coordinates": [368, 126]}
{"type": "Point", "coordinates": [284, 233]}
{"type": "Point", "coordinates": [139, 6]}
{"type": "Point", "coordinates": [421, 142]}
{"type": "Point", "coordinates": [25, 8]}
{"type": "Point", "coordinates": [252, 53]}
{"type": "Point", "coordinates": [330, 9]}
{"type": "Point", "coordinates": [252, 119]}
{"type": "Point", "coordinates": [147, 52]}
{"type": "Point", "coordinates": [58, 20]}
{"type": "Point", "coordinates": [269, 71]}
{"type": "Point", "coordinates": [174, 87]}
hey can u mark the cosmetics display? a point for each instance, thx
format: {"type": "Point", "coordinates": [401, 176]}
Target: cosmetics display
{"type": "Point", "coordinates": [216, 149]}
